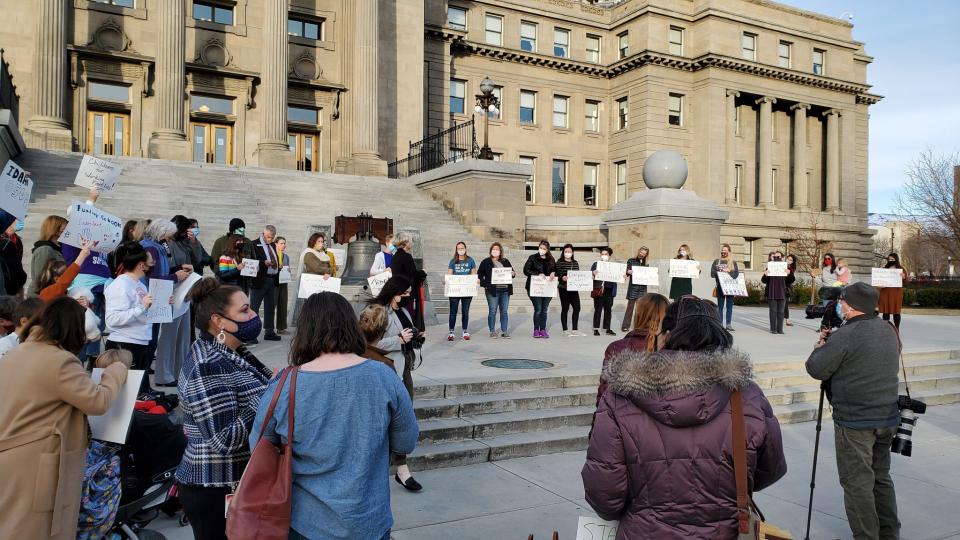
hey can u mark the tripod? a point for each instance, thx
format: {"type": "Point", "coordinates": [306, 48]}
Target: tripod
{"type": "Point", "coordinates": [813, 476]}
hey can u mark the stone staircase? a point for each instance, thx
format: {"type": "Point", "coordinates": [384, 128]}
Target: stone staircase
{"type": "Point", "coordinates": [469, 422]}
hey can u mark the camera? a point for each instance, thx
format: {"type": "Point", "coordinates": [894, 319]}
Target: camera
{"type": "Point", "coordinates": [417, 341]}
{"type": "Point", "coordinates": [909, 409]}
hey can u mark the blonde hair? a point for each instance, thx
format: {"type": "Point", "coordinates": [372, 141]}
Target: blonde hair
{"type": "Point", "coordinates": [373, 323]}
{"type": "Point", "coordinates": [112, 356]}
{"type": "Point", "coordinates": [137, 233]}
{"type": "Point", "coordinates": [689, 253]}
{"type": "Point", "coordinates": [51, 228]}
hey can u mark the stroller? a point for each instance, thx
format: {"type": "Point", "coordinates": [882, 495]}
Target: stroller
{"type": "Point", "coordinates": [830, 295]}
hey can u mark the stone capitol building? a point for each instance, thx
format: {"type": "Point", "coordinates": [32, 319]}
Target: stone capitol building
{"type": "Point", "coordinates": [767, 103]}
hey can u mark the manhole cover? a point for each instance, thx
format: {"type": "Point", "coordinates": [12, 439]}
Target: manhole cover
{"type": "Point", "coordinates": [517, 363]}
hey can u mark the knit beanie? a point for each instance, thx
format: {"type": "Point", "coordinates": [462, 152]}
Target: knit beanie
{"type": "Point", "coordinates": [861, 297]}
{"type": "Point", "coordinates": [236, 223]}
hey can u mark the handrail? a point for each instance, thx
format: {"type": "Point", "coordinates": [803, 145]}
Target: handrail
{"type": "Point", "coordinates": [452, 144]}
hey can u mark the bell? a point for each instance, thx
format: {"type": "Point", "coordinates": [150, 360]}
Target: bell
{"type": "Point", "coordinates": [360, 256]}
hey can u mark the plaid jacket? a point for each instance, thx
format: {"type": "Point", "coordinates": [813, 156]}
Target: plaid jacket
{"type": "Point", "coordinates": [220, 391]}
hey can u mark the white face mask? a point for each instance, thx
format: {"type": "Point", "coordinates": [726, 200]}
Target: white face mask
{"type": "Point", "coordinates": [461, 252]}
{"type": "Point", "coordinates": [683, 252]}
{"type": "Point", "coordinates": [568, 254]}
{"type": "Point", "coordinates": [495, 253]}
{"type": "Point", "coordinates": [604, 257]}
{"type": "Point", "coordinates": [543, 251]}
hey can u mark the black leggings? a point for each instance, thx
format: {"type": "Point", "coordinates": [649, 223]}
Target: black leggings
{"type": "Point", "coordinates": [204, 507]}
{"type": "Point", "coordinates": [569, 299]}
{"type": "Point", "coordinates": [896, 318]}
{"type": "Point", "coordinates": [141, 359]}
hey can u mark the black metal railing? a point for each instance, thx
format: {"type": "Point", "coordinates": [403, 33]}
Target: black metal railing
{"type": "Point", "coordinates": [454, 144]}
{"type": "Point", "coordinates": [8, 92]}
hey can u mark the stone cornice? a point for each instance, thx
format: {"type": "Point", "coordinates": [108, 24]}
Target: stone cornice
{"type": "Point", "coordinates": [523, 57]}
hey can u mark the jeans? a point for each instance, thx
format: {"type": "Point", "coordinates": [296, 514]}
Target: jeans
{"type": "Point", "coordinates": [540, 307]}
{"type": "Point", "coordinates": [204, 508]}
{"type": "Point", "coordinates": [294, 535]}
{"type": "Point", "coordinates": [498, 300]}
{"type": "Point", "coordinates": [266, 295]}
{"type": "Point", "coordinates": [454, 303]}
{"type": "Point", "coordinates": [776, 315]}
{"type": "Point", "coordinates": [725, 301]}
{"type": "Point", "coordinates": [569, 299]}
{"type": "Point", "coordinates": [627, 323]}
{"type": "Point", "coordinates": [602, 305]}
{"type": "Point", "coordinates": [863, 461]}
{"type": "Point", "coordinates": [99, 307]}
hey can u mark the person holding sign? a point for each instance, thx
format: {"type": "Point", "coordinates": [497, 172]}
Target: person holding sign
{"type": "Point", "coordinates": [634, 291]}
{"type": "Point", "coordinates": [47, 396]}
{"type": "Point", "coordinates": [891, 298]}
{"type": "Point", "coordinates": [316, 260]}
{"type": "Point", "coordinates": [283, 296]}
{"type": "Point", "coordinates": [603, 294]}
{"type": "Point", "coordinates": [460, 265]}
{"type": "Point", "coordinates": [724, 265]}
{"type": "Point", "coordinates": [540, 263]}
{"type": "Point", "coordinates": [776, 293]}
{"type": "Point", "coordinates": [381, 261]}
{"type": "Point", "coordinates": [157, 242]}
{"type": "Point", "coordinates": [498, 294]}
{"type": "Point", "coordinates": [568, 299]}
{"type": "Point", "coordinates": [682, 286]}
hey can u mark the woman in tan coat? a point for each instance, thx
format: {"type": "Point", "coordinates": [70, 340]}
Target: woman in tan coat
{"type": "Point", "coordinates": [45, 397]}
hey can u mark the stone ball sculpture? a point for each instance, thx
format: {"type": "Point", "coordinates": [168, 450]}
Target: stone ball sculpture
{"type": "Point", "coordinates": [665, 169]}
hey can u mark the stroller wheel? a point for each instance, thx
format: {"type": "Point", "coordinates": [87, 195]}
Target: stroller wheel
{"type": "Point", "coordinates": [183, 521]}
{"type": "Point", "coordinates": [147, 534]}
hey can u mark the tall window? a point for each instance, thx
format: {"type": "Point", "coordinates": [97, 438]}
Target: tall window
{"type": "Point", "coordinates": [675, 109]}
{"type": "Point", "coordinates": [498, 93]}
{"type": "Point", "coordinates": [623, 44]}
{"type": "Point", "coordinates": [749, 245]}
{"type": "Point", "coordinates": [621, 180]}
{"type": "Point", "coordinates": [623, 113]}
{"type": "Point", "coordinates": [458, 92]}
{"type": "Point", "coordinates": [560, 106]}
{"type": "Point", "coordinates": [559, 183]}
{"type": "Point", "coordinates": [494, 29]}
{"type": "Point", "coordinates": [212, 12]}
{"type": "Point", "coordinates": [561, 42]}
{"type": "Point", "coordinates": [591, 116]}
{"type": "Point", "coordinates": [528, 36]}
{"type": "Point", "coordinates": [748, 46]}
{"type": "Point", "coordinates": [819, 60]}
{"type": "Point", "coordinates": [528, 107]}
{"type": "Point", "coordinates": [593, 48]}
{"type": "Point", "coordinates": [457, 17]}
{"type": "Point", "coordinates": [310, 29]}
{"type": "Point", "coordinates": [676, 40]}
{"type": "Point", "coordinates": [738, 178]}
{"type": "Point", "coordinates": [532, 161]}
{"type": "Point", "coordinates": [590, 173]}
{"type": "Point", "coordinates": [784, 54]}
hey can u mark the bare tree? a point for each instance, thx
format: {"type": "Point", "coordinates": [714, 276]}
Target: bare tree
{"type": "Point", "coordinates": [808, 243]}
{"type": "Point", "coordinates": [922, 254]}
{"type": "Point", "coordinates": [881, 248]}
{"type": "Point", "coordinates": [931, 197]}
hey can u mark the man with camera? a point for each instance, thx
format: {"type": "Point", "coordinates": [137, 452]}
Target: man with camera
{"type": "Point", "coordinates": [857, 363]}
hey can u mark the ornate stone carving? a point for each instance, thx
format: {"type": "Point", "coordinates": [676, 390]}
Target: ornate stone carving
{"type": "Point", "coordinates": [305, 67]}
{"type": "Point", "coordinates": [214, 53]}
{"type": "Point", "coordinates": [110, 37]}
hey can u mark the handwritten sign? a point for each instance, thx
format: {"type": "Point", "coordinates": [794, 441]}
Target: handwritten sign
{"type": "Point", "coordinates": [730, 286]}
{"type": "Point", "coordinates": [501, 276]}
{"type": "Point", "coordinates": [579, 280]}
{"type": "Point", "coordinates": [777, 269]}
{"type": "Point", "coordinates": [645, 275]}
{"type": "Point", "coordinates": [251, 267]}
{"type": "Point", "coordinates": [160, 310]}
{"type": "Point", "coordinates": [113, 425]}
{"type": "Point", "coordinates": [284, 275]}
{"type": "Point", "coordinates": [459, 286]}
{"type": "Point", "coordinates": [181, 289]}
{"type": "Point", "coordinates": [543, 287]}
{"type": "Point", "coordinates": [886, 277]}
{"type": "Point", "coordinates": [96, 173]}
{"type": "Point", "coordinates": [683, 268]}
{"type": "Point", "coordinates": [15, 190]}
{"type": "Point", "coordinates": [311, 284]}
{"type": "Point", "coordinates": [611, 272]}
{"type": "Point", "coordinates": [87, 223]}
{"type": "Point", "coordinates": [377, 282]}
{"type": "Point", "coordinates": [594, 528]}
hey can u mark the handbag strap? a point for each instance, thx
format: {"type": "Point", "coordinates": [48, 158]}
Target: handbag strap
{"type": "Point", "coordinates": [740, 461]}
{"type": "Point", "coordinates": [273, 401]}
{"type": "Point", "coordinates": [290, 407]}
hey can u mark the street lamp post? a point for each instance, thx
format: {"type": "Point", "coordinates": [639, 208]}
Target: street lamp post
{"type": "Point", "coordinates": [487, 104]}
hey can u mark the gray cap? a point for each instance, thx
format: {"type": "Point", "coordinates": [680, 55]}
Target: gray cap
{"type": "Point", "coordinates": [861, 297]}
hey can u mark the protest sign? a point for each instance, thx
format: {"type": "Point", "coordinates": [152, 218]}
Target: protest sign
{"type": "Point", "coordinates": [611, 272]}
{"type": "Point", "coordinates": [377, 282]}
{"type": "Point", "coordinates": [285, 276]}
{"type": "Point", "coordinates": [15, 190]}
{"type": "Point", "coordinates": [683, 268]}
{"type": "Point", "coordinates": [543, 287]}
{"type": "Point", "coordinates": [594, 528]}
{"type": "Point", "coordinates": [113, 425]}
{"type": "Point", "coordinates": [579, 280]}
{"type": "Point", "coordinates": [646, 275]}
{"type": "Point", "coordinates": [251, 267]}
{"type": "Point", "coordinates": [730, 286]}
{"type": "Point", "coordinates": [501, 276]}
{"type": "Point", "coordinates": [311, 284]}
{"type": "Point", "coordinates": [886, 277]}
{"type": "Point", "coordinates": [87, 223]}
{"type": "Point", "coordinates": [181, 289]}
{"type": "Point", "coordinates": [339, 257]}
{"type": "Point", "coordinates": [96, 173]}
{"type": "Point", "coordinates": [459, 286]}
{"type": "Point", "coordinates": [777, 269]}
{"type": "Point", "coordinates": [160, 311]}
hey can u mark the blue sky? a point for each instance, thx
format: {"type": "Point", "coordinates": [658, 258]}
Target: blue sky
{"type": "Point", "coordinates": [917, 70]}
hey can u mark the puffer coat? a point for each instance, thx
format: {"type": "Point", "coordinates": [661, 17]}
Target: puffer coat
{"type": "Point", "coordinates": [660, 457]}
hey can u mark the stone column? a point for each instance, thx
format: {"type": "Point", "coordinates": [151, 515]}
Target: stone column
{"type": "Point", "coordinates": [168, 140]}
{"type": "Point", "coordinates": [731, 141]}
{"type": "Point", "coordinates": [272, 150]}
{"type": "Point", "coordinates": [833, 160]}
{"type": "Point", "coordinates": [765, 151]}
{"type": "Point", "coordinates": [48, 127]}
{"type": "Point", "coordinates": [801, 191]}
{"type": "Point", "coordinates": [366, 153]}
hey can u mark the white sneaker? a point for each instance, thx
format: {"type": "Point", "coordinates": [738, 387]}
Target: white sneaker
{"type": "Point", "coordinates": [568, 333]}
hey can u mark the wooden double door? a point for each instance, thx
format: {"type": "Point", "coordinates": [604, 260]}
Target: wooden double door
{"type": "Point", "coordinates": [108, 133]}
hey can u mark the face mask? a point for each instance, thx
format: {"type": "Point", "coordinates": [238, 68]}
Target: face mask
{"type": "Point", "coordinates": [604, 257]}
{"type": "Point", "coordinates": [827, 262]}
{"type": "Point", "coordinates": [891, 264]}
{"type": "Point", "coordinates": [683, 252]}
{"type": "Point", "coordinates": [240, 232]}
{"type": "Point", "coordinates": [392, 248]}
{"type": "Point", "coordinates": [247, 330]}
{"type": "Point", "coordinates": [196, 232]}
{"type": "Point", "coordinates": [19, 226]}
{"type": "Point", "coordinates": [404, 301]}
{"type": "Point", "coordinates": [9, 328]}
{"type": "Point", "coordinates": [840, 312]}
{"type": "Point", "coordinates": [495, 253]}
{"type": "Point", "coordinates": [461, 252]}
{"type": "Point", "coordinates": [776, 258]}
{"type": "Point", "coordinates": [567, 254]}
{"type": "Point", "coordinates": [542, 251]}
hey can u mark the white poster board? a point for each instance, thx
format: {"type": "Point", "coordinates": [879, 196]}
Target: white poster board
{"type": "Point", "coordinates": [15, 190]}
{"type": "Point", "coordinates": [611, 272]}
{"type": "Point", "coordinates": [311, 284]}
{"type": "Point", "coordinates": [284, 275]}
{"type": "Point", "coordinates": [459, 286]}
{"type": "Point", "coordinates": [543, 287]}
{"type": "Point", "coordinates": [645, 275]}
{"type": "Point", "coordinates": [777, 269]}
{"type": "Point", "coordinates": [115, 423]}
{"type": "Point", "coordinates": [683, 268]}
{"type": "Point", "coordinates": [377, 282]}
{"type": "Point", "coordinates": [339, 257]}
{"type": "Point", "coordinates": [160, 310]}
{"type": "Point", "coordinates": [730, 286]}
{"type": "Point", "coordinates": [96, 173]}
{"type": "Point", "coordinates": [251, 267]}
{"type": "Point", "coordinates": [886, 277]}
{"type": "Point", "coordinates": [594, 528]}
{"type": "Point", "coordinates": [181, 289]}
{"type": "Point", "coordinates": [579, 280]}
{"type": "Point", "coordinates": [102, 231]}
{"type": "Point", "coordinates": [501, 276]}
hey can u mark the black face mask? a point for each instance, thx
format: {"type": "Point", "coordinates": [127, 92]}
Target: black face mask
{"type": "Point", "coordinates": [404, 301]}
{"type": "Point", "coordinates": [891, 264]}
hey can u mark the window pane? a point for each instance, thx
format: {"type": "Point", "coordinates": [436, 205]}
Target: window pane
{"type": "Point", "coordinates": [294, 28]}
{"type": "Point", "coordinates": [311, 31]}
{"type": "Point", "coordinates": [528, 36]}
{"type": "Point", "coordinates": [457, 18]}
{"type": "Point", "coordinates": [494, 30]}
{"type": "Point", "coordinates": [223, 15]}
{"type": "Point", "coordinates": [292, 143]}
{"type": "Point", "coordinates": [559, 111]}
{"type": "Point", "coordinates": [457, 101]}
{"type": "Point", "coordinates": [621, 181]}
{"type": "Point", "coordinates": [303, 115]}
{"type": "Point", "coordinates": [202, 12]}
{"type": "Point", "coordinates": [529, 188]}
{"type": "Point", "coordinates": [622, 113]}
{"type": "Point", "coordinates": [199, 144]}
{"type": "Point", "coordinates": [308, 153]}
{"type": "Point", "coordinates": [592, 116]}
{"type": "Point", "coordinates": [593, 49]}
{"type": "Point", "coordinates": [676, 41]}
{"type": "Point", "coordinates": [561, 42]}
{"type": "Point", "coordinates": [210, 104]}
{"type": "Point", "coordinates": [559, 191]}
{"type": "Point", "coordinates": [498, 93]}
{"type": "Point", "coordinates": [118, 136]}
{"type": "Point", "coordinates": [109, 92]}
{"type": "Point", "coordinates": [590, 184]}
{"type": "Point", "coordinates": [98, 134]}
{"type": "Point", "coordinates": [220, 146]}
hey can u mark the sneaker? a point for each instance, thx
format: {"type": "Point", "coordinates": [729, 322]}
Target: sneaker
{"type": "Point", "coordinates": [611, 333]}
{"type": "Point", "coordinates": [493, 335]}
{"type": "Point", "coordinates": [536, 334]}
{"type": "Point", "coordinates": [271, 337]}
{"type": "Point", "coordinates": [596, 332]}
{"type": "Point", "coordinates": [252, 342]}
{"type": "Point", "coordinates": [544, 334]}
{"type": "Point", "coordinates": [505, 335]}
{"type": "Point", "coordinates": [578, 333]}
{"type": "Point", "coordinates": [730, 328]}
{"type": "Point", "coordinates": [466, 336]}
{"type": "Point", "coordinates": [450, 336]}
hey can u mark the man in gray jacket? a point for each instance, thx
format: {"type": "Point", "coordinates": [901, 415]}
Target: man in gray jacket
{"type": "Point", "coordinates": [858, 364]}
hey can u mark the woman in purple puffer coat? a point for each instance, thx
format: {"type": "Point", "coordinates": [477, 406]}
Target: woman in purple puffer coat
{"type": "Point", "coordinates": [660, 457]}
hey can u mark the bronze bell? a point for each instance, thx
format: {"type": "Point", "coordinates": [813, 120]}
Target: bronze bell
{"type": "Point", "coordinates": [360, 256]}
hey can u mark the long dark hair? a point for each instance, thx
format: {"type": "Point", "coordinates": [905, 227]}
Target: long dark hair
{"type": "Point", "coordinates": [833, 262]}
{"type": "Point", "coordinates": [128, 255]}
{"type": "Point", "coordinates": [698, 328]}
{"type": "Point", "coordinates": [549, 255]}
{"type": "Point", "coordinates": [896, 264]}
{"type": "Point", "coordinates": [234, 243]}
{"type": "Point", "coordinates": [183, 224]}
{"type": "Point", "coordinates": [59, 323]}
{"type": "Point", "coordinates": [572, 258]}
{"type": "Point", "coordinates": [395, 286]}
{"type": "Point", "coordinates": [326, 324]}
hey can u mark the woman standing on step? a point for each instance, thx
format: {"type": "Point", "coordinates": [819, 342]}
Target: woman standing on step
{"type": "Point", "coordinates": [603, 294]}
{"type": "Point", "coordinates": [680, 286]}
{"type": "Point", "coordinates": [634, 292]}
{"type": "Point", "coordinates": [540, 263]}
{"type": "Point", "coordinates": [568, 299]}
{"type": "Point", "coordinates": [316, 259]}
{"type": "Point", "coordinates": [381, 262]}
{"type": "Point", "coordinates": [498, 296]}
{"type": "Point", "coordinates": [460, 265]}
